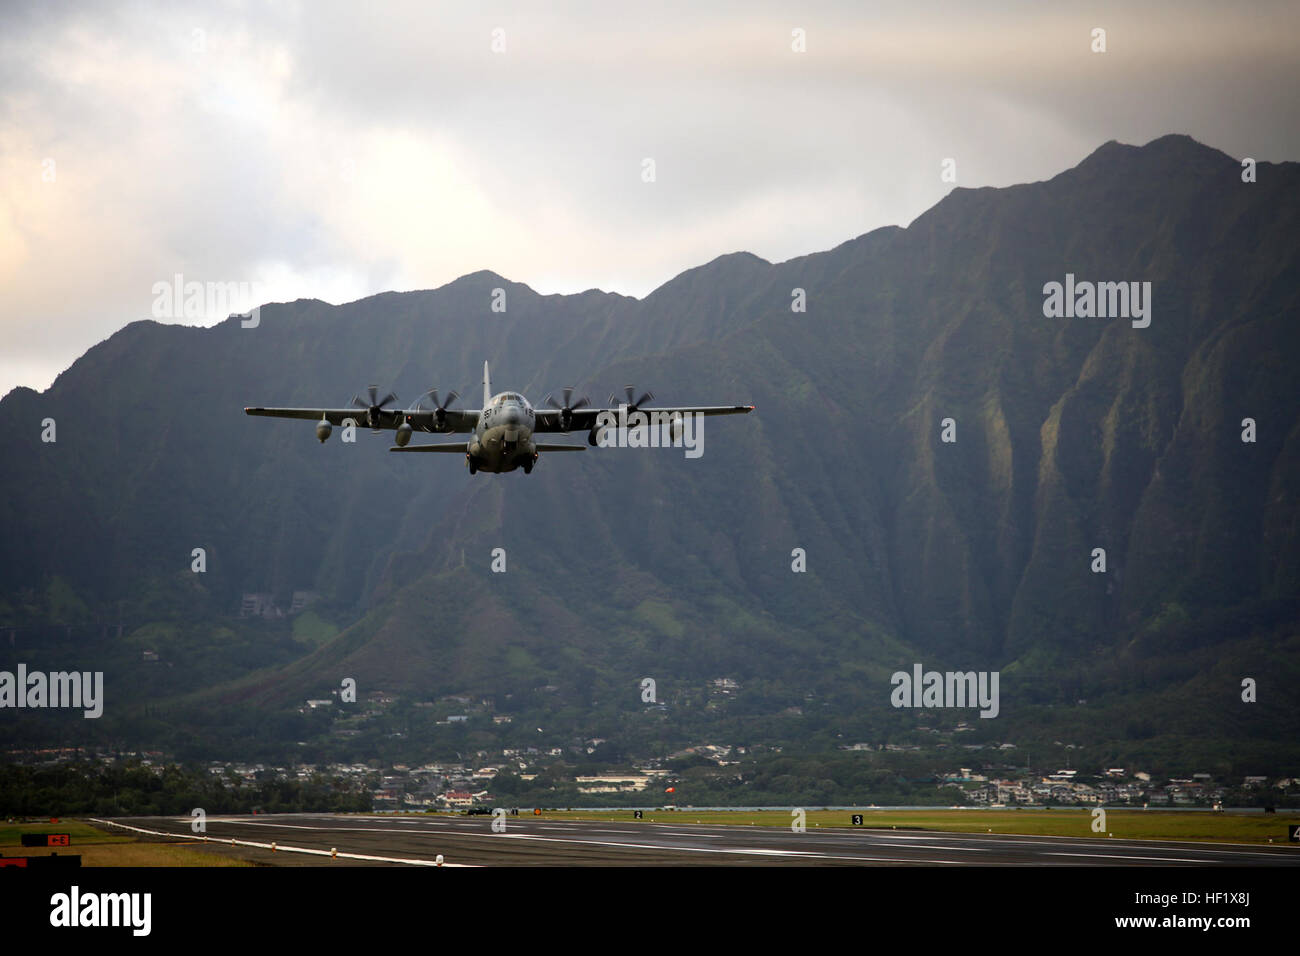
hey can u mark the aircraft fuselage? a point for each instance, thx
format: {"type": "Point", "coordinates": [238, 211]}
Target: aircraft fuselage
{"type": "Point", "coordinates": [503, 437]}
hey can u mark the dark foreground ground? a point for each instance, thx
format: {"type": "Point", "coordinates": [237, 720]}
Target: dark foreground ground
{"type": "Point", "coordinates": [530, 841]}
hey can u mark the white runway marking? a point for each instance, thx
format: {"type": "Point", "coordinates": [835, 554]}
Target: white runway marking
{"type": "Point", "coordinates": [283, 849]}
{"type": "Point", "coordinates": [749, 851]}
{"type": "Point", "coordinates": [927, 847]}
{"type": "Point", "coordinates": [1116, 856]}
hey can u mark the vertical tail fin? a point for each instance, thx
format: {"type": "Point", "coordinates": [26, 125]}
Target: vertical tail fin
{"type": "Point", "coordinates": [487, 386]}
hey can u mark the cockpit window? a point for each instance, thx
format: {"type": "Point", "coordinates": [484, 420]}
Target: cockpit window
{"type": "Point", "coordinates": [508, 398]}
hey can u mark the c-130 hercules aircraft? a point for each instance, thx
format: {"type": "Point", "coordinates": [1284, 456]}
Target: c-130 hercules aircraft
{"type": "Point", "coordinates": [502, 429]}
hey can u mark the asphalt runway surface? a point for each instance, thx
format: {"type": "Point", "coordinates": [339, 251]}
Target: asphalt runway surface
{"type": "Point", "coordinates": [623, 841]}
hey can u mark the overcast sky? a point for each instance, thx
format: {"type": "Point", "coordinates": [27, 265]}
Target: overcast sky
{"type": "Point", "coordinates": [336, 150]}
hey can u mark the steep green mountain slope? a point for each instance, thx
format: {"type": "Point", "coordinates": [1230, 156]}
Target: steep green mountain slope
{"type": "Point", "coordinates": [1071, 434]}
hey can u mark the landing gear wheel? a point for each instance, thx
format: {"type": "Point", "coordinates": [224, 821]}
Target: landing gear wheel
{"type": "Point", "coordinates": [528, 468]}
{"type": "Point", "coordinates": [472, 467]}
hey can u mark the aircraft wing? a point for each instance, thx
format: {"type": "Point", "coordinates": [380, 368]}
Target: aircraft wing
{"type": "Point", "coordinates": [550, 419]}
{"type": "Point", "coordinates": [449, 447]}
{"type": "Point", "coordinates": [458, 447]}
{"type": "Point", "coordinates": [453, 420]}
{"type": "Point", "coordinates": [696, 410]}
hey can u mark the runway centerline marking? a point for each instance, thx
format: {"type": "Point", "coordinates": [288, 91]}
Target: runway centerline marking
{"type": "Point", "coordinates": [1116, 856]}
{"type": "Point", "coordinates": [748, 851]}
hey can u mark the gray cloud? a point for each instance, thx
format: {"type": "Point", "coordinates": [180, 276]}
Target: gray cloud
{"type": "Point", "coordinates": [333, 150]}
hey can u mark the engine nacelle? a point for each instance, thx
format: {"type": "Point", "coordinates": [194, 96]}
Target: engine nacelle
{"type": "Point", "coordinates": [404, 432]}
{"type": "Point", "coordinates": [324, 429]}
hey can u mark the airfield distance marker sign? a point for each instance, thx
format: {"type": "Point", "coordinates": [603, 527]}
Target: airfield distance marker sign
{"type": "Point", "coordinates": [47, 839]}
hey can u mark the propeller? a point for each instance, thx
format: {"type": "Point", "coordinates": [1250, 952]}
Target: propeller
{"type": "Point", "coordinates": [632, 405]}
{"type": "Point", "coordinates": [439, 407]}
{"type": "Point", "coordinates": [374, 408]}
{"type": "Point", "coordinates": [567, 409]}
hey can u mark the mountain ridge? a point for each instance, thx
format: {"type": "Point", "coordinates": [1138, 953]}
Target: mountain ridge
{"type": "Point", "coordinates": [1071, 434]}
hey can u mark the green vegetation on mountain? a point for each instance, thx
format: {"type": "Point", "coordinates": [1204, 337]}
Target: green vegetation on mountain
{"type": "Point", "coordinates": [1071, 435]}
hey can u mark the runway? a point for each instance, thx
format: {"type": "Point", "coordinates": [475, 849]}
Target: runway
{"type": "Point", "coordinates": [381, 840]}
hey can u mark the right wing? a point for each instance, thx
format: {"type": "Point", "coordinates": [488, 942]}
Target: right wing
{"type": "Point", "coordinates": [550, 419]}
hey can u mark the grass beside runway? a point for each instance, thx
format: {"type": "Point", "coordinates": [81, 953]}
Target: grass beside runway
{"type": "Point", "coordinates": [1060, 821]}
{"type": "Point", "coordinates": [99, 848]}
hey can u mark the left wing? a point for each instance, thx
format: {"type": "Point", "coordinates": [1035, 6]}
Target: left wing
{"type": "Point", "coordinates": [445, 420]}
{"type": "Point", "coordinates": [448, 447]}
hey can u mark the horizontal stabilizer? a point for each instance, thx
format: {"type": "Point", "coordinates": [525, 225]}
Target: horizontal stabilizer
{"type": "Point", "coordinates": [542, 448]}
{"type": "Point", "coordinates": [447, 447]}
